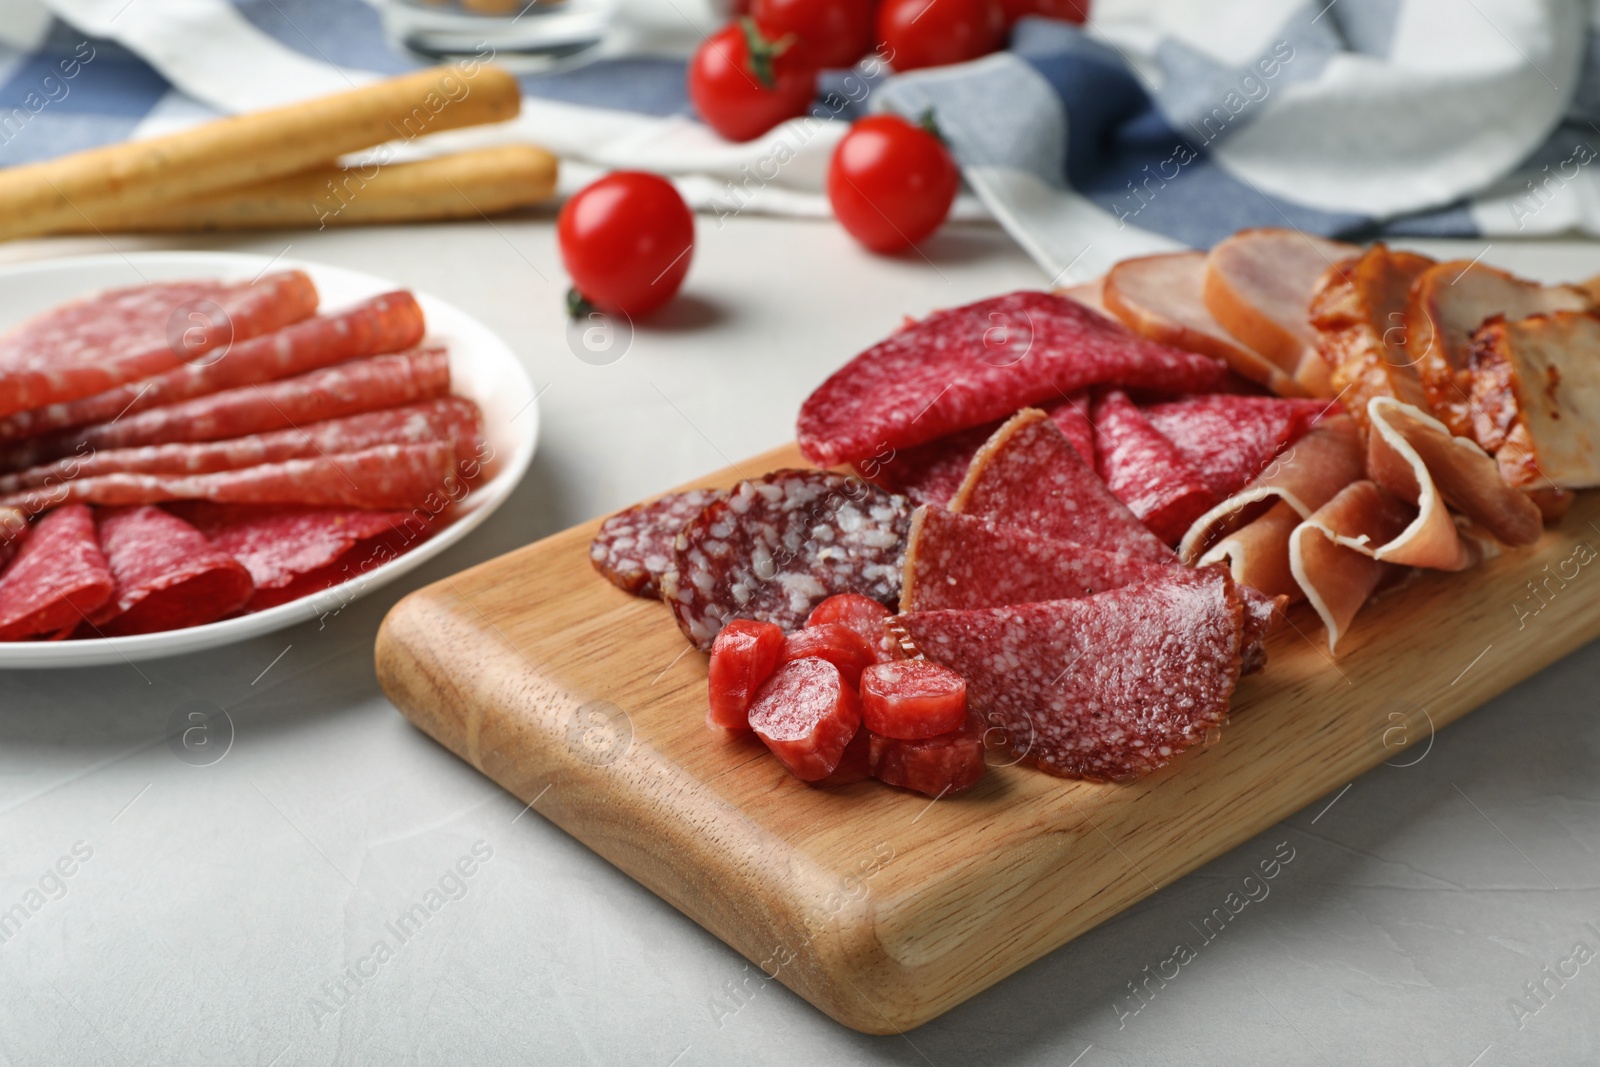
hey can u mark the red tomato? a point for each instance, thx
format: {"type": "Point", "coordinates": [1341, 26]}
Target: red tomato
{"type": "Point", "coordinates": [891, 183]}
{"type": "Point", "coordinates": [828, 33]}
{"type": "Point", "coordinates": [932, 33]}
{"type": "Point", "coordinates": [626, 240]}
{"type": "Point", "coordinates": [1062, 10]}
{"type": "Point", "coordinates": [743, 84]}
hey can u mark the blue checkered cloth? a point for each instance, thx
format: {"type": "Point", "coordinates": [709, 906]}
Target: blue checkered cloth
{"type": "Point", "coordinates": [1139, 132]}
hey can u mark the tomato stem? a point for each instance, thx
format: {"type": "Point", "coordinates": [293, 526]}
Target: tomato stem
{"type": "Point", "coordinates": [578, 305]}
{"type": "Point", "coordinates": [764, 51]}
{"type": "Point", "coordinates": [930, 123]}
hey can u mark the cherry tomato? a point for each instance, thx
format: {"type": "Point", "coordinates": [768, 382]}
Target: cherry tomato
{"type": "Point", "coordinates": [932, 33]}
{"type": "Point", "coordinates": [891, 183]}
{"type": "Point", "coordinates": [828, 33]}
{"type": "Point", "coordinates": [743, 83]}
{"type": "Point", "coordinates": [1061, 10]}
{"type": "Point", "coordinates": [626, 240]}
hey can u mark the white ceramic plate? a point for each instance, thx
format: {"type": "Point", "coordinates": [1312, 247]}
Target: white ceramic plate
{"type": "Point", "coordinates": [482, 368]}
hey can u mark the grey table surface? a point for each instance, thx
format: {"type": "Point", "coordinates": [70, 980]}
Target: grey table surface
{"type": "Point", "coordinates": [239, 908]}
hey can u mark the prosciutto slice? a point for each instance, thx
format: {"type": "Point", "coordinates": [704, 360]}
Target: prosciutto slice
{"type": "Point", "coordinates": [1332, 557]}
{"type": "Point", "coordinates": [59, 576]}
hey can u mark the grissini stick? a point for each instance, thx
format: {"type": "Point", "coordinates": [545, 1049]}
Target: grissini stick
{"type": "Point", "coordinates": [459, 185]}
{"type": "Point", "coordinates": [247, 149]}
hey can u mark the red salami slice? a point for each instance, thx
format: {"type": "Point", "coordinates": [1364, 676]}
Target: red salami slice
{"type": "Point", "coordinates": [1109, 687]}
{"type": "Point", "coordinates": [168, 576]}
{"type": "Point", "coordinates": [1146, 471]}
{"type": "Point", "coordinates": [59, 576]}
{"type": "Point", "coordinates": [291, 552]}
{"type": "Point", "coordinates": [453, 419]}
{"type": "Point", "coordinates": [967, 366]}
{"type": "Point", "coordinates": [781, 544]}
{"type": "Point", "coordinates": [634, 548]}
{"type": "Point", "coordinates": [98, 343]}
{"type": "Point", "coordinates": [931, 473]}
{"type": "Point", "coordinates": [387, 477]}
{"type": "Point", "coordinates": [388, 323]}
{"type": "Point", "coordinates": [1029, 475]}
{"type": "Point", "coordinates": [806, 714]}
{"type": "Point", "coordinates": [934, 766]}
{"type": "Point", "coordinates": [1231, 439]}
{"type": "Point", "coordinates": [334, 392]}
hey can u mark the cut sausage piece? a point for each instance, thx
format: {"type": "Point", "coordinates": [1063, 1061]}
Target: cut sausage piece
{"type": "Point", "coordinates": [1146, 471]}
{"type": "Point", "coordinates": [100, 342]}
{"type": "Point", "coordinates": [780, 545]}
{"type": "Point", "coordinates": [1109, 687]}
{"type": "Point", "coordinates": [1259, 284]}
{"type": "Point", "coordinates": [863, 615]}
{"type": "Point", "coordinates": [1028, 474]}
{"type": "Point", "coordinates": [807, 715]}
{"type": "Point", "coordinates": [934, 766]}
{"type": "Point", "coordinates": [1231, 439]}
{"type": "Point", "coordinates": [912, 699]}
{"type": "Point", "coordinates": [743, 657]}
{"type": "Point", "coordinates": [388, 323]}
{"type": "Point", "coordinates": [1358, 313]}
{"type": "Point", "coordinates": [839, 645]}
{"type": "Point", "coordinates": [168, 575]}
{"type": "Point", "coordinates": [1162, 297]}
{"type": "Point", "coordinates": [967, 366]}
{"type": "Point", "coordinates": [856, 763]}
{"type": "Point", "coordinates": [634, 547]}
{"type": "Point", "coordinates": [57, 579]}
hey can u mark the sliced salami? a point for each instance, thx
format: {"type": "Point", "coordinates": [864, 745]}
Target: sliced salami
{"type": "Point", "coordinates": [967, 366]}
{"type": "Point", "coordinates": [168, 576]}
{"type": "Point", "coordinates": [1108, 687]}
{"type": "Point", "coordinates": [1029, 475]}
{"type": "Point", "coordinates": [334, 392]}
{"type": "Point", "coordinates": [388, 323]}
{"type": "Point", "coordinates": [634, 548]}
{"type": "Point", "coordinates": [451, 419]}
{"type": "Point", "coordinates": [100, 342]}
{"type": "Point", "coordinates": [1231, 439]}
{"type": "Point", "coordinates": [387, 477]}
{"type": "Point", "coordinates": [1146, 471]}
{"type": "Point", "coordinates": [59, 577]}
{"type": "Point", "coordinates": [807, 715]}
{"type": "Point", "coordinates": [934, 766]}
{"type": "Point", "coordinates": [779, 545]}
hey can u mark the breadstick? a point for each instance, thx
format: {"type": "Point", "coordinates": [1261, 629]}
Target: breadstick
{"type": "Point", "coordinates": [247, 149]}
{"type": "Point", "coordinates": [461, 185]}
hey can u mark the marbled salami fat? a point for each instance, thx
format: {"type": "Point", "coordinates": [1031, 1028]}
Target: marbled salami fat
{"type": "Point", "coordinates": [1029, 475]}
{"type": "Point", "coordinates": [168, 576]}
{"type": "Point", "coordinates": [100, 342]}
{"type": "Point", "coordinates": [1146, 471]}
{"type": "Point", "coordinates": [1108, 687]}
{"type": "Point", "coordinates": [388, 323]}
{"type": "Point", "coordinates": [59, 577]}
{"type": "Point", "coordinates": [634, 547]}
{"type": "Point", "coordinates": [966, 366]}
{"type": "Point", "coordinates": [1231, 439]}
{"type": "Point", "coordinates": [781, 544]}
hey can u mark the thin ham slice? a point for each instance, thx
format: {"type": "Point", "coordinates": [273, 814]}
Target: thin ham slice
{"type": "Point", "coordinates": [97, 343]}
{"type": "Point", "coordinates": [1358, 312]}
{"type": "Point", "coordinates": [1331, 556]}
{"type": "Point", "coordinates": [1146, 470]}
{"type": "Point", "coordinates": [1259, 284]}
{"type": "Point", "coordinates": [59, 577]}
{"type": "Point", "coordinates": [452, 419]}
{"type": "Point", "coordinates": [1162, 297]}
{"type": "Point", "coordinates": [1091, 295]}
{"type": "Point", "coordinates": [1028, 474]}
{"type": "Point", "coordinates": [967, 366]}
{"type": "Point", "coordinates": [386, 477]}
{"type": "Point", "coordinates": [168, 576]}
{"type": "Point", "coordinates": [1231, 439]}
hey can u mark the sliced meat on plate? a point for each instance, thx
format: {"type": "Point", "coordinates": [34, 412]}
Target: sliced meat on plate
{"type": "Point", "coordinates": [1162, 297]}
{"type": "Point", "coordinates": [1258, 285]}
{"type": "Point", "coordinates": [57, 579]}
{"type": "Point", "coordinates": [779, 545]}
{"type": "Point", "coordinates": [634, 548]}
{"type": "Point", "coordinates": [1028, 474]}
{"type": "Point", "coordinates": [1330, 557]}
{"type": "Point", "coordinates": [388, 323]}
{"type": "Point", "coordinates": [967, 366]}
{"type": "Point", "coordinates": [1358, 312]}
{"type": "Point", "coordinates": [1231, 439]}
{"type": "Point", "coordinates": [1448, 302]}
{"type": "Point", "coordinates": [1091, 295]}
{"type": "Point", "coordinates": [168, 576]}
{"type": "Point", "coordinates": [1108, 687]}
{"type": "Point", "coordinates": [97, 343]}
{"type": "Point", "coordinates": [1146, 470]}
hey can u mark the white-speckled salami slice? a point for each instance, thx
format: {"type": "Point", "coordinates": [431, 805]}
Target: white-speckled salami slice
{"type": "Point", "coordinates": [780, 545]}
{"type": "Point", "coordinates": [634, 548]}
{"type": "Point", "coordinates": [1108, 687]}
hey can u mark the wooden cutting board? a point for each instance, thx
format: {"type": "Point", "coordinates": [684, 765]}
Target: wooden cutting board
{"type": "Point", "coordinates": [880, 907]}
